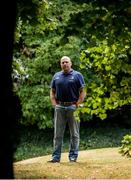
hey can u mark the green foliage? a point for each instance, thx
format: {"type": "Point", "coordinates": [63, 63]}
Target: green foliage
{"type": "Point", "coordinates": [108, 77]}
{"type": "Point", "coordinates": [106, 61]}
{"type": "Point", "coordinates": [51, 29]}
{"type": "Point", "coordinates": [125, 148]}
{"type": "Point", "coordinates": [36, 106]}
{"type": "Point", "coordinates": [35, 142]}
{"type": "Point", "coordinates": [40, 48]}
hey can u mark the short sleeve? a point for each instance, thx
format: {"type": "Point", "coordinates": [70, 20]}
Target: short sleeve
{"type": "Point", "coordinates": [52, 84]}
{"type": "Point", "coordinates": [81, 80]}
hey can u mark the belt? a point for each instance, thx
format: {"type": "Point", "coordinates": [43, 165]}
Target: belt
{"type": "Point", "coordinates": [66, 103]}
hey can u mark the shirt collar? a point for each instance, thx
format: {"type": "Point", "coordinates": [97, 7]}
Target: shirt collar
{"type": "Point", "coordinates": [70, 72]}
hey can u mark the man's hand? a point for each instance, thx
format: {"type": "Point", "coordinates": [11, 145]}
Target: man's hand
{"type": "Point", "coordinates": [77, 104]}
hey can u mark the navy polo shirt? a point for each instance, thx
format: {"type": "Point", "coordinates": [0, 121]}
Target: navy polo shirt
{"type": "Point", "coordinates": [67, 85]}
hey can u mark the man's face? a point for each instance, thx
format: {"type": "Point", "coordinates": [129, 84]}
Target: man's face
{"type": "Point", "coordinates": [65, 64]}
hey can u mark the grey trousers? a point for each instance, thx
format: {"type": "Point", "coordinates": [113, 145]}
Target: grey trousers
{"type": "Point", "coordinates": [62, 116]}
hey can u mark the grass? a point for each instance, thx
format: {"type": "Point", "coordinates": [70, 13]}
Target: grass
{"type": "Point", "coordinates": [105, 163]}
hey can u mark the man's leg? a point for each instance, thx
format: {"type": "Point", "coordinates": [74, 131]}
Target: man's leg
{"type": "Point", "coordinates": [59, 128]}
{"type": "Point", "coordinates": [74, 127]}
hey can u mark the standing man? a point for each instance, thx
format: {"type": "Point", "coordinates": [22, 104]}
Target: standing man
{"type": "Point", "coordinates": [67, 92]}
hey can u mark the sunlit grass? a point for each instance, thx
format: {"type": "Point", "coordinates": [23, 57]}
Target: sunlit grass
{"type": "Point", "coordinates": [105, 163]}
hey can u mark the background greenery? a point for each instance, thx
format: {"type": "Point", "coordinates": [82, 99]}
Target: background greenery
{"type": "Point", "coordinates": [35, 142]}
{"type": "Point", "coordinates": [95, 34]}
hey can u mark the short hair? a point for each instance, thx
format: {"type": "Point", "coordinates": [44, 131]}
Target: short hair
{"type": "Point", "coordinates": [65, 57]}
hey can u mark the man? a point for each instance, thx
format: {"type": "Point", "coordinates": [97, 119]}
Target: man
{"type": "Point", "coordinates": [66, 94]}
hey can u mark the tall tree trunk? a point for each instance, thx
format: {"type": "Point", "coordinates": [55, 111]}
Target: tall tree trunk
{"type": "Point", "coordinates": [7, 101]}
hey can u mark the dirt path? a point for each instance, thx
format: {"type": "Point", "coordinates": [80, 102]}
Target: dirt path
{"type": "Point", "coordinates": [104, 163]}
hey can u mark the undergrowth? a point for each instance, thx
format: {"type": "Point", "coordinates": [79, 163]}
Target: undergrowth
{"type": "Point", "coordinates": [34, 142]}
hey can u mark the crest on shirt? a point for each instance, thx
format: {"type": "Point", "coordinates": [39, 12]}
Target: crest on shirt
{"type": "Point", "coordinates": [57, 77]}
{"type": "Point", "coordinates": [72, 78]}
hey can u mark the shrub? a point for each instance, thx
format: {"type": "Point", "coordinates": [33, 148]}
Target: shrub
{"type": "Point", "coordinates": [125, 148]}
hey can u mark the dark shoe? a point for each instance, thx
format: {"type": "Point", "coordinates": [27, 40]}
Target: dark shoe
{"type": "Point", "coordinates": [72, 159]}
{"type": "Point", "coordinates": [54, 161]}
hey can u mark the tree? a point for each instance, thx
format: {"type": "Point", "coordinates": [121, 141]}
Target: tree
{"type": "Point", "coordinates": [7, 99]}
{"type": "Point", "coordinates": [107, 62]}
{"type": "Point", "coordinates": [68, 28]}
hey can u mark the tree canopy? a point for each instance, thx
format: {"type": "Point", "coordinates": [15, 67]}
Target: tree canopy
{"type": "Point", "coordinates": [97, 37]}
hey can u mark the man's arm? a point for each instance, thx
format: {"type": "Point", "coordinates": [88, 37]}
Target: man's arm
{"type": "Point", "coordinates": [52, 97]}
{"type": "Point", "coordinates": [81, 96]}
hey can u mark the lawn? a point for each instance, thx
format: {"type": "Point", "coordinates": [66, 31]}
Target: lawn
{"type": "Point", "coordinates": [102, 163]}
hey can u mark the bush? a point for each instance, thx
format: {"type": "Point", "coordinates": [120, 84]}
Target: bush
{"type": "Point", "coordinates": [125, 148]}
